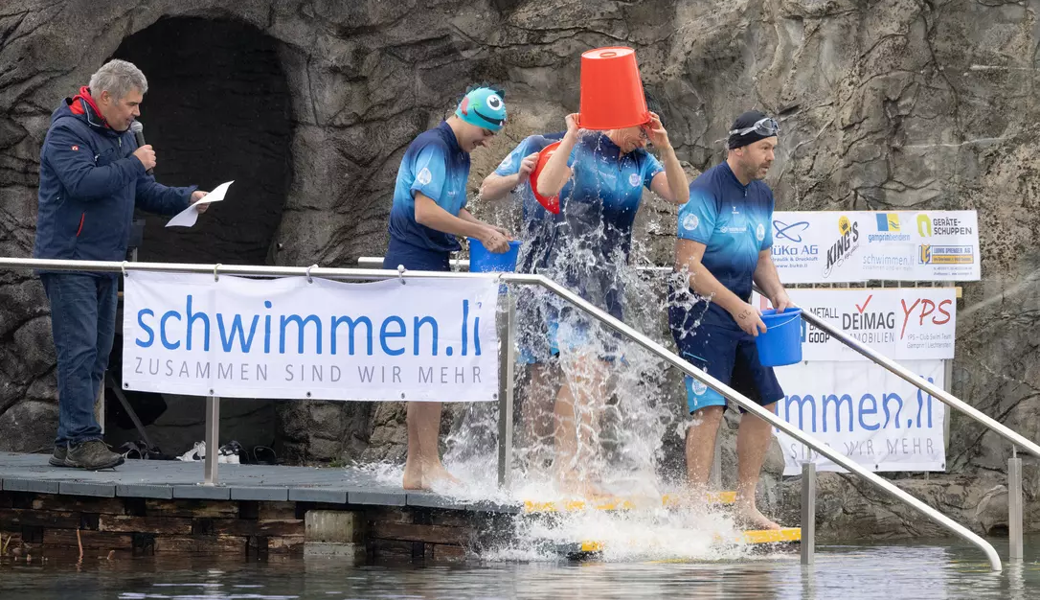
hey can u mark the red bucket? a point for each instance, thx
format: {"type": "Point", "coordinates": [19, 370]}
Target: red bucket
{"type": "Point", "coordinates": [551, 204]}
{"type": "Point", "coordinates": [611, 90]}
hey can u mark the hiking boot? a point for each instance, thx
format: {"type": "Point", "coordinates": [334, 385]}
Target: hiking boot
{"type": "Point", "coordinates": [58, 459]}
{"type": "Point", "coordinates": [92, 456]}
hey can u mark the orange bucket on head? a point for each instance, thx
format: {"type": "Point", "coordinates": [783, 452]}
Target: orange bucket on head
{"type": "Point", "coordinates": [551, 204]}
{"type": "Point", "coordinates": [611, 90]}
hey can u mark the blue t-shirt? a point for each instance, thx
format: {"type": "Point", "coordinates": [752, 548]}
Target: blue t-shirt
{"type": "Point", "coordinates": [598, 206]}
{"type": "Point", "coordinates": [537, 228]}
{"type": "Point", "coordinates": [605, 191]}
{"type": "Point", "coordinates": [733, 222]}
{"type": "Point", "coordinates": [436, 166]}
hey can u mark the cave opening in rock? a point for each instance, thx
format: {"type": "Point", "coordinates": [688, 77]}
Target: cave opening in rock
{"type": "Point", "coordinates": [217, 109]}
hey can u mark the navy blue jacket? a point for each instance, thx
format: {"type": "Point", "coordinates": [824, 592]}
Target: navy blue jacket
{"type": "Point", "coordinates": [89, 185]}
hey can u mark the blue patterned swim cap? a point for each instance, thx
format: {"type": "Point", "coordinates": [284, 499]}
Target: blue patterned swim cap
{"type": "Point", "coordinates": [483, 107]}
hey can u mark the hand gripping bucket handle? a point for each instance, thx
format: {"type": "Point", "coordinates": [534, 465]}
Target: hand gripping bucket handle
{"type": "Point", "coordinates": [781, 344]}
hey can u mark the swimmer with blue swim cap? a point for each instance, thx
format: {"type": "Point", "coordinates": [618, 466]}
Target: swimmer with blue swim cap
{"type": "Point", "coordinates": [483, 107]}
{"type": "Point", "coordinates": [427, 217]}
{"type": "Point", "coordinates": [479, 116]}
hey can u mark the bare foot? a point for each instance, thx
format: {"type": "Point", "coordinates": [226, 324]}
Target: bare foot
{"type": "Point", "coordinates": [417, 478]}
{"type": "Point", "coordinates": [438, 475]}
{"type": "Point", "coordinates": [413, 479]}
{"type": "Point", "coordinates": [751, 517]}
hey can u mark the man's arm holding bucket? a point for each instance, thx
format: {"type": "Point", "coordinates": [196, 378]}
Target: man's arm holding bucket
{"type": "Point", "coordinates": [689, 254]}
{"type": "Point", "coordinates": [768, 281]}
{"type": "Point", "coordinates": [467, 216]}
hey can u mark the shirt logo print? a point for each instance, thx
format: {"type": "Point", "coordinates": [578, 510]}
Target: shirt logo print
{"type": "Point", "coordinates": [691, 222]}
{"type": "Point", "coordinates": [760, 232]}
{"type": "Point", "coordinates": [634, 180]}
{"type": "Point", "coordinates": [424, 177]}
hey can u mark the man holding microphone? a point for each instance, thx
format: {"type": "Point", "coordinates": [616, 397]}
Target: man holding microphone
{"type": "Point", "coordinates": [93, 173]}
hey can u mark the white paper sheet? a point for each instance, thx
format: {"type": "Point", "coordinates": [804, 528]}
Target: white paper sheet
{"type": "Point", "coordinates": [188, 216]}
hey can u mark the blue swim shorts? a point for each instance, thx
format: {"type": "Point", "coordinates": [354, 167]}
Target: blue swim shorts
{"type": "Point", "coordinates": [727, 355]}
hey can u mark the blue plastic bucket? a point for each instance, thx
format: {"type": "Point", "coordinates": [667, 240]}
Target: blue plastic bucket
{"type": "Point", "coordinates": [781, 344]}
{"type": "Point", "coordinates": [483, 261]}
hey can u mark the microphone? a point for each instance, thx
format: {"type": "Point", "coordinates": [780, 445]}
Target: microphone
{"type": "Point", "coordinates": [138, 128]}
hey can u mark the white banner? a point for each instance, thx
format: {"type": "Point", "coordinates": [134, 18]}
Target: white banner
{"type": "Point", "coordinates": [869, 415]}
{"type": "Point", "coordinates": [842, 247]}
{"type": "Point", "coordinates": [901, 323]}
{"type": "Point", "coordinates": [426, 340]}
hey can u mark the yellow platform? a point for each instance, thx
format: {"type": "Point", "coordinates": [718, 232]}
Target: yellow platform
{"type": "Point", "coordinates": [755, 536]}
{"type": "Point", "coordinates": [620, 503]}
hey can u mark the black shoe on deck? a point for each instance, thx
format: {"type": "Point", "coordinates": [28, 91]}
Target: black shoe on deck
{"type": "Point", "coordinates": [92, 456]}
{"type": "Point", "coordinates": [58, 460]}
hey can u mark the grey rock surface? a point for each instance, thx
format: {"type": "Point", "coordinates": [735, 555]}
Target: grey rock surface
{"type": "Point", "coordinates": [309, 104]}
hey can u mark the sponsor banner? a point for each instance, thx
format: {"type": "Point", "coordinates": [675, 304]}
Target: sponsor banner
{"type": "Point", "coordinates": [427, 340]}
{"type": "Point", "coordinates": [842, 247]}
{"type": "Point", "coordinates": [867, 414]}
{"type": "Point", "coordinates": [900, 323]}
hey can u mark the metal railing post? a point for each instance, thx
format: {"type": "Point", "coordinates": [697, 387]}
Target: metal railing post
{"type": "Point", "coordinates": [507, 356]}
{"type": "Point", "coordinates": [808, 542]}
{"type": "Point", "coordinates": [212, 438]}
{"type": "Point", "coordinates": [1015, 507]}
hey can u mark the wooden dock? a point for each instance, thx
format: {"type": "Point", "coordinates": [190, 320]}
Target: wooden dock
{"type": "Point", "coordinates": [159, 507]}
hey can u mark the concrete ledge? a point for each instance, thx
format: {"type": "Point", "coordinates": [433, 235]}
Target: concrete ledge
{"type": "Point", "coordinates": [201, 492]}
{"type": "Point", "coordinates": [263, 494]}
{"type": "Point", "coordinates": [317, 495]}
{"type": "Point", "coordinates": [80, 488]}
{"type": "Point", "coordinates": [40, 486]}
{"type": "Point", "coordinates": [157, 492]}
{"type": "Point", "coordinates": [334, 527]}
{"type": "Point", "coordinates": [330, 549]}
{"type": "Point", "coordinates": [378, 498]}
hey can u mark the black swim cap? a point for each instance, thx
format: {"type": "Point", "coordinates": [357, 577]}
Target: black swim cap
{"type": "Point", "coordinates": [751, 127]}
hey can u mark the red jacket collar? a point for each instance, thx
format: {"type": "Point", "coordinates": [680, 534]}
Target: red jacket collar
{"type": "Point", "coordinates": [86, 101]}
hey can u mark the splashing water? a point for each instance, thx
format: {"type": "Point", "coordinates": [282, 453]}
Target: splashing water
{"type": "Point", "coordinates": [626, 404]}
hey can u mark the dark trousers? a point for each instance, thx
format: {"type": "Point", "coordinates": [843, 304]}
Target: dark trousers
{"type": "Point", "coordinates": [83, 323]}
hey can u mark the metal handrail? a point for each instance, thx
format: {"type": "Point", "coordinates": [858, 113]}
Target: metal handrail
{"type": "Point", "coordinates": [872, 355]}
{"type": "Point", "coordinates": [923, 384]}
{"type": "Point", "coordinates": [648, 344]}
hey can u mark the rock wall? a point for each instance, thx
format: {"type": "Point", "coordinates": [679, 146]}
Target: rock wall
{"type": "Point", "coordinates": [895, 104]}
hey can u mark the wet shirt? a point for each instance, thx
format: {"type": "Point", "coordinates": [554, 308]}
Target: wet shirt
{"type": "Point", "coordinates": [733, 221]}
{"type": "Point", "coordinates": [592, 234]}
{"type": "Point", "coordinates": [435, 166]}
{"type": "Point", "coordinates": [537, 228]}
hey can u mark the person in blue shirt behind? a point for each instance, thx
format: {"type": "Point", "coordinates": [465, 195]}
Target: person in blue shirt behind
{"type": "Point", "coordinates": [600, 177]}
{"type": "Point", "coordinates": [539, 391]}
{"type": "Point", "coordinates": [725, 242]}
{"type": "Point", "coordinates": [429, 210]}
